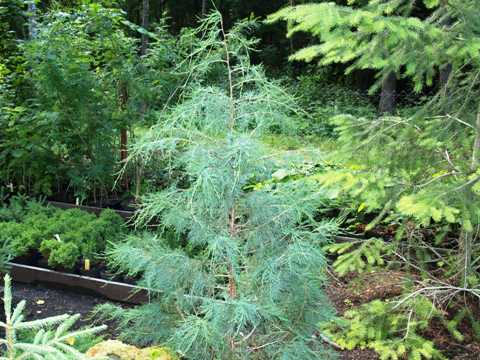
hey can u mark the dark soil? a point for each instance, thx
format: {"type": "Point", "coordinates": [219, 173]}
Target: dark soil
{"type": "Point", "coordinates": [43, 301]}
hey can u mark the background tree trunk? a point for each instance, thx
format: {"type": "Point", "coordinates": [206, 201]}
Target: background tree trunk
{"type": "Point", "coordinates": [388, 95]}
{"type": "Point", "coordinates": [32, 21]}
{"type": "Point", "coordinates": [204, 7]}
{"type": "Point", "coordinates": [443, 85]}
{"type": "Point", "coordinates": [145, 25]}
{"type": "Point", "coordinates": [123, 99]}
{"type": "Point", "coordinates": [467, 237]}
{"type": "Point", "coordinates": [292, 47]}
{"type": "Point", "coordinates": [444, 76]}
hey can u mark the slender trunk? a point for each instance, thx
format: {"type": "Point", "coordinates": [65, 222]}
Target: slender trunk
{"type": "Point", "coordinates": [145, 25]}
{"type": "Point", "coordinates": [444, 75]}
{"type": "Point", "coordinates": [138, 181]}
{"type": "Point", "coordinates": [123, 98]}
{"type": "Point", "coordinates": [123, 144]}
{"type": "Point", "coordinates": [476, 144]}
{"type": "Point", "coordinates": [388, 95]}
{"type": "Point", "coordinates": [232, 283]}
{"type": "Point", "coordinates": [32, 21]}
{"type": "Point", "coordinates": [292, 47]}
{"type": "Point", "coordinates": [232, 229]}
{"type": "Point", "coordinates": [467, 237]}
{"type": "Point", "coordinates": [204, 7]}
{"type": "Point", "coordinates": [443, 83]}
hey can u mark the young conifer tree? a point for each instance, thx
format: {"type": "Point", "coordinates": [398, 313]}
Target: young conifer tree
{"type": "Point", "coordinates": [437, 179]}
{"type": "Point", "coordinates": [53, 335]}
{"type": "Point", "coordinates": [242, 275]}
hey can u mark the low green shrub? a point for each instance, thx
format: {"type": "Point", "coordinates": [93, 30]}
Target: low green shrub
{"type": "Point", "coordinates": [63, 237]}
{"type": "Point", "coordinates": [60, 254]}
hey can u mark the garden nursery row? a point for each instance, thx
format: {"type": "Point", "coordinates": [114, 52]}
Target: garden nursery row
{"type": "Point", "coordinates": [240, 180]}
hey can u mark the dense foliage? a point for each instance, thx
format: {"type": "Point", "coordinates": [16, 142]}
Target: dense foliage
{"type": "Point", "coordinates": [244, 167]}
{"type": "Point", "coordinates": [63, 237]}
{"type": "Point", "coordinates": [86, 87]}
{"type": "Point", "coordinates": [234, 273]}
{"type": "Point", "coordinates": [415, 172]}
{"type": "Point", "coordinates": [393, 332]}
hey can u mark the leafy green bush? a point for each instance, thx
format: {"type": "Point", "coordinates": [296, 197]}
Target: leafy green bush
{"type": "Point", "coordinates": [86, 86]}
{"type": "Point", "coordinates": [60, 254]}
{"type": "Point", "coordinates": [62, 236]}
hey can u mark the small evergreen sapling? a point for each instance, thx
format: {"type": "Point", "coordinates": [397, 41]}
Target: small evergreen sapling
{"type": "Point", "coordinates": [48, 343]}
{"type": "Point", "coordinates": [359, 256]}
{"type": "Point", "coordinates": [242, 275]}
{"type": "Point", "coordinates": [394, 332]}
{"type": "Point", "coordinates": [437, 179]}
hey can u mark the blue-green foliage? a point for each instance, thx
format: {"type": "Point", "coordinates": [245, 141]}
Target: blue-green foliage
{"type": "Point", "coordinates": [233, 273]}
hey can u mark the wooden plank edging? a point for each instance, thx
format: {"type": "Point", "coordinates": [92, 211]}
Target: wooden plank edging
{"type": "Point", "coordinates": [91, 209]}
{"type": "Point", "coordinates": [112, 290]}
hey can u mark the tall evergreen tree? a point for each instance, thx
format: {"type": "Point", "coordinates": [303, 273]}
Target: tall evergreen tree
{"type": "Point", "coordinates": [234, 273]}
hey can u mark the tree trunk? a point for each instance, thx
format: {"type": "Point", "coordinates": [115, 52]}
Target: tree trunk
{"type": "Point", "coordinates": [145, 25]}
{"type": "Point", "coordinates": [292, 47]}
{"type": "Point", "coordinates": [467, 236]}
{"type": "Point", "coordinates": [32, 21]}
{"type": "Point", "coordinates": [443, 86]}
{"type": "Point", "coordinates": [388, 95]}
{"type": "Point", "coordinates": [123, 144]}
{"type": "Point", "coordinates": [123, 99]}
{"type": "Point", "coordinates": [204, 7]}
{"type": "Point", "coordinates": [444, 76]}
